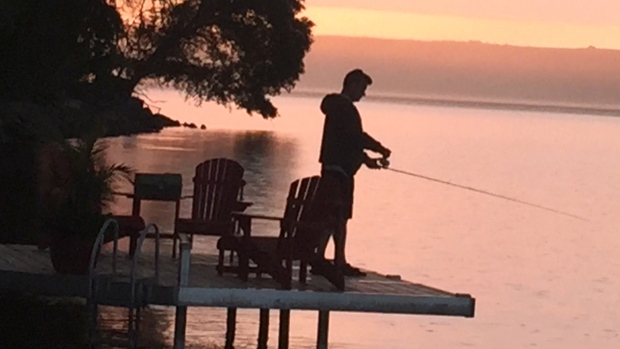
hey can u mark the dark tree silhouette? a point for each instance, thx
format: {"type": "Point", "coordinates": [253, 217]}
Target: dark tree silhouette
{"type": "Point", "coordinates": [228, 51]}
{"type": "Point", "coordinates": [50, 47]}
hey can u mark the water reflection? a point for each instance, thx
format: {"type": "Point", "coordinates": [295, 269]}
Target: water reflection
{"type": "Point", "coordinates": [155, 326]}
{"type": "Point", "coordinates": [268, 160]}
{"type": "Point", "coordinates": [538, 276]}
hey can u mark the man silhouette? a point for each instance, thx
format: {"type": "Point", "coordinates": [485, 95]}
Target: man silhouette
{"type": "Point", "coordinates": [342, 155]}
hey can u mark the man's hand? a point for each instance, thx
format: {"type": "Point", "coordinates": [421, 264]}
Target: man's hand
{"type": "Point", "coordinates": [385, 152]}
{"type": "Point", "coordinates": [372, 163]}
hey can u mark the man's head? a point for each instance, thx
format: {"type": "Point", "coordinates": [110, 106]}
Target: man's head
{"type": "Point", "coordinates": [355, 83]}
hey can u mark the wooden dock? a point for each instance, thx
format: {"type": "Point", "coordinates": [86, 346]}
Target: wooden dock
{"type": "Point", "coordinates": [192, 280]}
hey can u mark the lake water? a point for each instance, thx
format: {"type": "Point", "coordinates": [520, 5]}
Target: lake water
{"type": "Point", "coordinates": [540, 279]}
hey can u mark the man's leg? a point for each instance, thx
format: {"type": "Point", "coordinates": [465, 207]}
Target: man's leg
{"type": "Point", "coordinates": [323, 241]}
{"type": "Point", "coordinates": [330, 198]}
{"type": "Point", "coordinates": [340, 240]}
{"type": "Point", "coordinates": [340, 259]}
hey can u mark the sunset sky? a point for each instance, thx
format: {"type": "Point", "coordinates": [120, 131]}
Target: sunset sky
{"type": "Point", "coordinates": [545, 23]}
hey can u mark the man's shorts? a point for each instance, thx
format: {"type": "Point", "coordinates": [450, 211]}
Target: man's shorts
{"type": "Point", "coordinates": [335, 195]}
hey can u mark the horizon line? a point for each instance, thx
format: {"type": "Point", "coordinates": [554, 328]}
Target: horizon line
{"type": "Point", "coordinates": [532, 106]}
{"type": "Point", "coordinates": [471, 41]}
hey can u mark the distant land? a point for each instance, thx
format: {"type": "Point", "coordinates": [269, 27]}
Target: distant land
{"type": "Point", "coordinates": [470, 74]}
{"type": "Point", "coordinates": [478, 104]}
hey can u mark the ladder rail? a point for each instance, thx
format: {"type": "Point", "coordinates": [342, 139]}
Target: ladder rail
{"type": "Point", "coordinates": [91, 302]}
{"type": "Point", "coordinates": [136, 283]}
{"type": "Point", "coordinates": [136, 304]}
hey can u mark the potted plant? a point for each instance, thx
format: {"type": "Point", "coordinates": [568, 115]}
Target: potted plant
{"type": "Point", "coordinates": [79, 188]}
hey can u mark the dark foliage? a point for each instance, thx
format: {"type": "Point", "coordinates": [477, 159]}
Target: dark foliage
{"type": "Point", "coordinates": [51, 48]}
{"type": "Point", "coordinates": [229, 51]}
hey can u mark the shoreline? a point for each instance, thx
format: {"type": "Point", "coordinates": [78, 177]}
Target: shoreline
{"type": "Point", "coordinates": [70, 118]}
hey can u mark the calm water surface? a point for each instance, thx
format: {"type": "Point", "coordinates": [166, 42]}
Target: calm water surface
{"type": "Point", "coordinates": [540, 279]}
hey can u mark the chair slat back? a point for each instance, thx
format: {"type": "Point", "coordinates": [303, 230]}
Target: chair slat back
{"type": "Point", "coordinates": [218, 185]}
{"type": "Point", "coordinates": [298, 205]}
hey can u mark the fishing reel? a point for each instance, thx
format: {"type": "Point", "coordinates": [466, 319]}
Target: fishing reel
{"type": "Point", "coordinates": [383, 162]}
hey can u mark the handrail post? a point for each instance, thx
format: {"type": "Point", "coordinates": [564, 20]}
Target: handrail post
{"type": "Point", "coordinates": [180, 321]}
{"type": "Point", "coordinates": [94, 254]}
{"type": "Point", "coordinates": [323, 329]}
{"type": "Point", "coordinates": [285, 324]}
{"type": "Point", "coordinates": [263, 329]}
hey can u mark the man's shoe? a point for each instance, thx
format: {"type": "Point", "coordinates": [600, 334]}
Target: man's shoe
{"type": "Point", "coordinates": [349, 270]}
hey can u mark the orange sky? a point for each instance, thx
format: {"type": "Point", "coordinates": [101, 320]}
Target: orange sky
{"type": "Point", "coordinates": [546, 23]}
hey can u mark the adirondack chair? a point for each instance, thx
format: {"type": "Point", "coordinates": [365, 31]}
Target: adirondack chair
{"type": "Point", "coordinates": [300, 232]}
{"type": "Point", "coordinates": [218, 191]}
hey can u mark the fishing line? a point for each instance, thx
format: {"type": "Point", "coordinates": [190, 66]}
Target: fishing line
{"type": "Point", "coordinates": [487, 193]}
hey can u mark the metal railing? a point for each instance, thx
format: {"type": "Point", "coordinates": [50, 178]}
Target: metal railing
{"type": "Point", "coordinates": [138, 288]}
{"type": "Point", "coordinates": [91, 301]}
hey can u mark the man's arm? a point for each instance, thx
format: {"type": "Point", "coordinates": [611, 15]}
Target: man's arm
{"type": "Point", "coordinates": [372, 144]}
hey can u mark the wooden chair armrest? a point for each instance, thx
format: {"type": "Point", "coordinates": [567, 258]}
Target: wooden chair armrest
{"type": "Point", "coordinates": [199, 226]}
{"type": "Point", "coordinates": [129, 225]}
{"type": "Point", "coordinates": [127, 195]}
{"type": "Point", "coordinates": [243, 215]}
{"type": "Point", "coordinates": [306, 225]}
{"type": "Point", "coordinates": [241, 206]}
{"type": "Point", "coordinates": [245, 221]}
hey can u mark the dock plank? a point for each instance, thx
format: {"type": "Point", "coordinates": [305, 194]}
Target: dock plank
{"type": "Point", "coordinates": [25, 268]}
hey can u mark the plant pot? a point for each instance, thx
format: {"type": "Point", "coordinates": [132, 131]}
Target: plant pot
{"type": "Point", "coordinates": [70, 254]}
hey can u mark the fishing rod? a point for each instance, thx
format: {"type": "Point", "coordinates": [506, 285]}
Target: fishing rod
{"type": "Point", "coordinates": [384, 163]}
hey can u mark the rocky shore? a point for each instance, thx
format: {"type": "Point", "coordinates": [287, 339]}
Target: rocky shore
{"type": "Point", "coordinates": [70, 118]}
